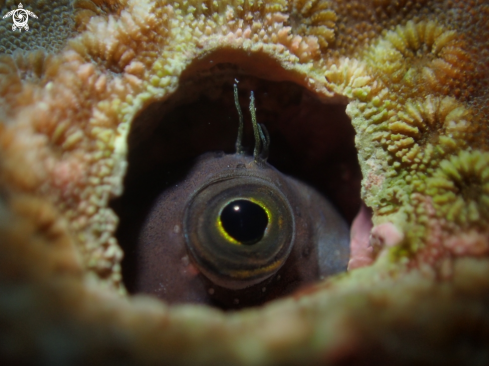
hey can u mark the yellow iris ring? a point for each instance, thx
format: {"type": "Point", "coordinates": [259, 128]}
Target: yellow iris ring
{"type": "Point", "coordinates": [223, 231]}
{"type": "Point", "coordinates": [259, 271]}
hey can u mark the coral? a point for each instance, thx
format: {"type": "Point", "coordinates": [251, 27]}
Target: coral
{"type": "Point", "coordinates": [28, 66]}
{"type": "Point", "coordinates": [130, 44]}
{"type": "Point", "coordinates": [359, 23]}
{"type": "Point", "coordinates": [314, 18]}
{"type": "Point", "coordinates": [414, 80]}
{"type": "Point", "coordinates": [256, 22]}
{"type": "Point", "coordinates": [437, 59]}
{"type": "Point", "coordinates": [48, 33]}
{"type": "Point", "coordinates": [460, 188]}
{"type": "Point", "coordinates": [428, 129]}
{"type": "Point", "coordinates": [392, 199]}
{"type": "Point", "coordinates": [84, 10]}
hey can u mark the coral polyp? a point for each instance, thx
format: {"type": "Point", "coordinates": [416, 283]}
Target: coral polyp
{"type": "Point", "coordinates": [438, 61]}
{"type": "Point", "coordinates": [427, 129]}
{"type": "Point", "coordinates": [460, 189]}
{"type": "Point", "coordinates": [314, 18]}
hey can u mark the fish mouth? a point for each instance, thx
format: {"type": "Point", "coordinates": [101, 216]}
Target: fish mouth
{"type": "Point", "coordinates": [312, 139]}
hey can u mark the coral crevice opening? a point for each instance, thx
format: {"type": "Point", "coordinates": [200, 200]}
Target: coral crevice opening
{"type": "Point", "coordinates": [311, 140]}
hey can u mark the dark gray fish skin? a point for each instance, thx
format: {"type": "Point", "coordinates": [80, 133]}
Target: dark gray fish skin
{"type": "Point", "coordinates": [165, 269]}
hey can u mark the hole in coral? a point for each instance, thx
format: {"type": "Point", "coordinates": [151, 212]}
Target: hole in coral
{"type": "Point", "coordinates": [469, 188]}
{"type": "Point", "coordinates": [310, 140]}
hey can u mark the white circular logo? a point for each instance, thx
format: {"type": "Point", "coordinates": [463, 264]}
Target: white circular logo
{"type": "Point", "coordinates": [20, 17]}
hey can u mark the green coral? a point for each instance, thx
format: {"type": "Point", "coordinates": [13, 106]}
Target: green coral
{"type": "Point", "coordinates": [460, 188]}
{"type": "Point", "coordinates": [407, 122]}
{"type": "Point", "coordinates": [392, 198]}
{"type": "Point", "coordinates": [421, 58]}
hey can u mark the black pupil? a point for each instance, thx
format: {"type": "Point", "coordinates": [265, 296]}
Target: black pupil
{"type": "Point", "coordinates": [244, 221]}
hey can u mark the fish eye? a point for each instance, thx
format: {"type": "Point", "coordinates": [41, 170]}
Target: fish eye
{"type": "Point", "coordinates": [244, 221]}
{"type": "Point", "coordinates": [221, 228]}
{"type": "Point", "coordinates": [239, 228]}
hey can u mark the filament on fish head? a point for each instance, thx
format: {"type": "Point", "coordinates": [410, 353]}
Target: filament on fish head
{"type": "Point", "coordinates": [249, 234]}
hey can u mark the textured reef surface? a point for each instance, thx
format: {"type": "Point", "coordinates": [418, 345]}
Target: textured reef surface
{"type": "Point", "coordinates": [87, 84]}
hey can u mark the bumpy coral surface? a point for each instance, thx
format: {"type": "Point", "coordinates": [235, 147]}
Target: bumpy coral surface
{"type": "Point", "coordinates": [414, 76]}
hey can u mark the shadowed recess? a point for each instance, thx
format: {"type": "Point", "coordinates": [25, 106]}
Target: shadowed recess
{"type": "Point", "coordinates": [310, 141]}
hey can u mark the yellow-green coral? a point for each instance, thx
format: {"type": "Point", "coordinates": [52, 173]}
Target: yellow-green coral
{"type": "Point", "coordinates": [314, 18]}
{"type": "Point", "coordinates": [437, 60]}
{"type": "Point", "coordinates": [428, 129]}
{"type": "Point", "coordinates": [413, 117]}
{"type": "Point", "coordinates": [460, 188]}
